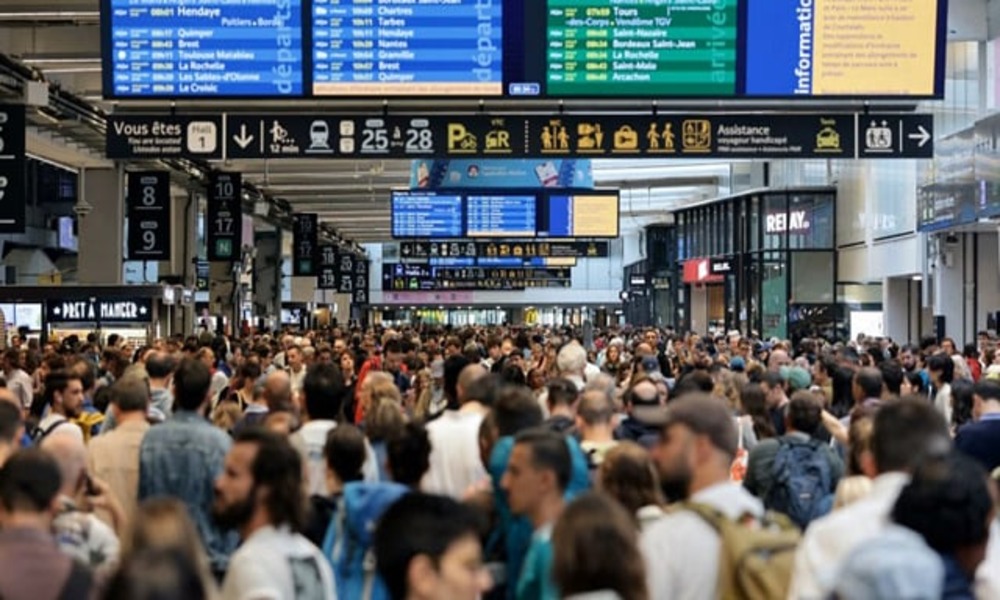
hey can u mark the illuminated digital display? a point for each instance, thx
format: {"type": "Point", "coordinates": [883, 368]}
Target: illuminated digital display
{"type": "Point", "coordinates": [547, 213]}
{"type": "Point", "coordinates": [398, 47]}
{"type": "Point", "coordinates": [203, 48]}
{"type": "Point", "coordinates": [643, 49]}
{"type": "Point", "coordinates": [427, 215]}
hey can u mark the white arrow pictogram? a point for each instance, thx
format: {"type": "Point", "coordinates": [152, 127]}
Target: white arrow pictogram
{"type": "Point", "coordinates": [243, 139]}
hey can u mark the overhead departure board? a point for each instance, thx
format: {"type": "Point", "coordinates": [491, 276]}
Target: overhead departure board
{"type": "Point", "coordinates": [642, 48]}
{"type": "Point", "coordinates": [501, 214]}
{"type": "Point", "coordinates": [427, 215]}
{"type": "Point", "coordinates": [583, 215]}
{"type": "Point", "coordinates": [203, 48]}
{"type": "Point", "coordinates": [400, 47]}
{"type": "Point", "coordinates": [488, 49]}
{"type": "Point", "coordinates": [508, 215]}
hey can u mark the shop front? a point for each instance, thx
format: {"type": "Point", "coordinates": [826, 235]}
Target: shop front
{"type": "Point", "coordinates": [760, 262]}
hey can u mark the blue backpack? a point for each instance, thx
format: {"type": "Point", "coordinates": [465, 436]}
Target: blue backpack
{"type": "Point", "coordinates": [802, 482]}
{"type": "Point", "coordinates": [348, 541]}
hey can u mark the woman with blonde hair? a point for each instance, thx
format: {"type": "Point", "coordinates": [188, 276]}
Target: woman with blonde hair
{"type": "Point", "coordinates": [595, 550]}
{"type": "Point", "coordinates": [163, 525]}
{"type": "Point", "coordinates": [384, 416]}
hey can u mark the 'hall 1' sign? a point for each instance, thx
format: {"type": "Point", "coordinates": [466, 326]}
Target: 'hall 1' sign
{"type": "Point", "coordinates": [139, 310]}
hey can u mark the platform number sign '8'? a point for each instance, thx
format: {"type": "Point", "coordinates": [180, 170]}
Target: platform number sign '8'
{"type": "Point", "coordinates": [149, 224]}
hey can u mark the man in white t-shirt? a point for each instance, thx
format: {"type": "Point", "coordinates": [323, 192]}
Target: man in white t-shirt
{"type": "Point", "coordinates": [260, 495]}
{"type": "Point", "coordinates": [323, 392]}
{"type": "Point", "coordinates": [455, 464]}
{"type": "Point", "coordinates": [64, 398]}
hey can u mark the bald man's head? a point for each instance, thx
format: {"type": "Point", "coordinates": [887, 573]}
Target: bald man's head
{"type": "Point", "coordinates": [466, 378]}
{"type": "Point", "coordinates": [778, 359]}
{"type": "Point", "coordinates": [70, 454]}
{"type": "Point", "coordinates": [278, 391]}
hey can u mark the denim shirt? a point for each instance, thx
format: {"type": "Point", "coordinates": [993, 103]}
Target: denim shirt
{"type": "Point", "coordinates": [181, 458]}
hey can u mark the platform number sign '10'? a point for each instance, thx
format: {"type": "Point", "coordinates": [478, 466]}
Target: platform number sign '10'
{"type": "Point", "coordinates": [225, 217]}
{"type": "Point", "coordinates": [148, 194]}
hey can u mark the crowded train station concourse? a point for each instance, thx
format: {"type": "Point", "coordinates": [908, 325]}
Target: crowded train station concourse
{"type": "Point", "coordinates": [499, 299]}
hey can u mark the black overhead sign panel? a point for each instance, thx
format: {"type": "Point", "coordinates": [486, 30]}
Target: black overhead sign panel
{"type": "Point", "coordinates": [148, 194]}
{"type": "Point", "coordinates": [695, 136]}
{"type": "Point", "coordinates": [305, 244]}
{"type": "Point", "coordinates": [225, 217]}
{"type": "Point", "coordinates": [136, 310]}
{"type": "Point", "coordinates": [361, 282]}
{"type": "Point", "coordinates": [326, 276]}
{"type": "Point", "coordinates": [12, 184]}
{"type": "Point", "coordinates": [164, 136]}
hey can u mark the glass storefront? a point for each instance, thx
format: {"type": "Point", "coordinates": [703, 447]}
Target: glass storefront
{"type": "Point", "coordinates": [769, 254]}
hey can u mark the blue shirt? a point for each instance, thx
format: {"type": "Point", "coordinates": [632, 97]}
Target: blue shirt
{"type": "Point", "coordinates": [181, 459]}
{"type": "Point", "coordinates": [536, 582]}
{"type": "Point", "coordinates": [981, 441]}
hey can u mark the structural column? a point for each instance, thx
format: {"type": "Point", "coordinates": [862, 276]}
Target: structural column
{"type": "Point", "coordinates": [102, 229]}
{"type": "Point", "coordinates": [267, 275]}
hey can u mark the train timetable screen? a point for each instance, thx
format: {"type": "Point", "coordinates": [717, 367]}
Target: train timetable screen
{"type": "Point", "coordinates": [198, 48]}
{"type": "Point", "coordinates": [402, 47]}
{"type": "Point", "coordinates": [482, 49]}
{"type": "Point", "coordinates": [581, 216]}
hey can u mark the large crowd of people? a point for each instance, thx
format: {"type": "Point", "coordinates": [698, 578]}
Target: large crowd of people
{"type": "Point", "coordinates": [514, 462]}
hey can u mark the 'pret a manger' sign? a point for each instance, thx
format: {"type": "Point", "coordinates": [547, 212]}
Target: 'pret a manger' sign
{"type": "Point", "coordinates": [139, 310]}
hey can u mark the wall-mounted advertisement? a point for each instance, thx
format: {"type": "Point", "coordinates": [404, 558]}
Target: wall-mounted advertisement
{"type": "Point", "coordinates": [445, 174]}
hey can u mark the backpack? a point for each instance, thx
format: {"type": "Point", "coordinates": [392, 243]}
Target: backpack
{"type": "Point", "coordinates": [348, 540]}
{"type": "Point", "coordinates": [802, 482]}
{"type": "Point", "coordinates": [38, 434]}
{"type": "Point", "coordinates": [757, 556]}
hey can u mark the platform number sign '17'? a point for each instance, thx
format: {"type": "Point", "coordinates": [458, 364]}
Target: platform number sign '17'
{"type": "Point", "coordinates": [305, 244]}
{"type": "Point", "coordinates": [225, 217]}
{"type": "Point", "coordinates": [149, 236]}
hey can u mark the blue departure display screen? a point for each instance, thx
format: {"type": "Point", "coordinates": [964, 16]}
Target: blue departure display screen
{"type": "Point", "coordinates": [402, 48]}
{"type": "Point", "coordinates": [239, 48]}
{"type": "Point", "coordinates": [427, 215]}
{"type": "Point", "coordinates": [480, 49]}
{"type": "Point", "coordinates": [507, 216]}
{"type": "Point", "coordinates": [503, 214]}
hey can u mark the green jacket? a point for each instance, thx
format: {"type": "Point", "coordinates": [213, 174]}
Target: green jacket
{"type": "Point", "coordinates": [760, 467]}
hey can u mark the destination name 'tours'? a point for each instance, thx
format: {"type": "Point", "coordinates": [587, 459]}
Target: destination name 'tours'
{"type": "Point", "coordinates": [106, 311]}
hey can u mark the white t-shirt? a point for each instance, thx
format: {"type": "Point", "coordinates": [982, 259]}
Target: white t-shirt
{"type": "Point", "coordinates": [64, 426]}
{"type": "Point", "coordinates": [455, 465]}
{"type": "Point", "coordinates": [310, 439]}
{"type": "Point", "coordinates": [276, 564]}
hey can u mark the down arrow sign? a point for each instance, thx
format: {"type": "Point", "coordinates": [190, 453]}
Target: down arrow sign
{"type": "Point", "coordinates": [243, 139]}
{"type": "Point", "coordinates": [923, 136]}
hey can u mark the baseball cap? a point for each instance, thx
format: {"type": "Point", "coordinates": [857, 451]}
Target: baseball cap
{"type": "Point", "coordinates": [737, 364]}
{"type": "Point", "coordinates": [650, 364]}
{"type": "Point", "coordinates": [796, 377]}
{"type": "Point", "coordinates": [704, 415]}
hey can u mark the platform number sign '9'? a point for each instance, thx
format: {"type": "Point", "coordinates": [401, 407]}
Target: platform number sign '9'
{"type": "Point", "coordinates": [149, 224]}
{"type": "Point", "coordinates": [225, 217]}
